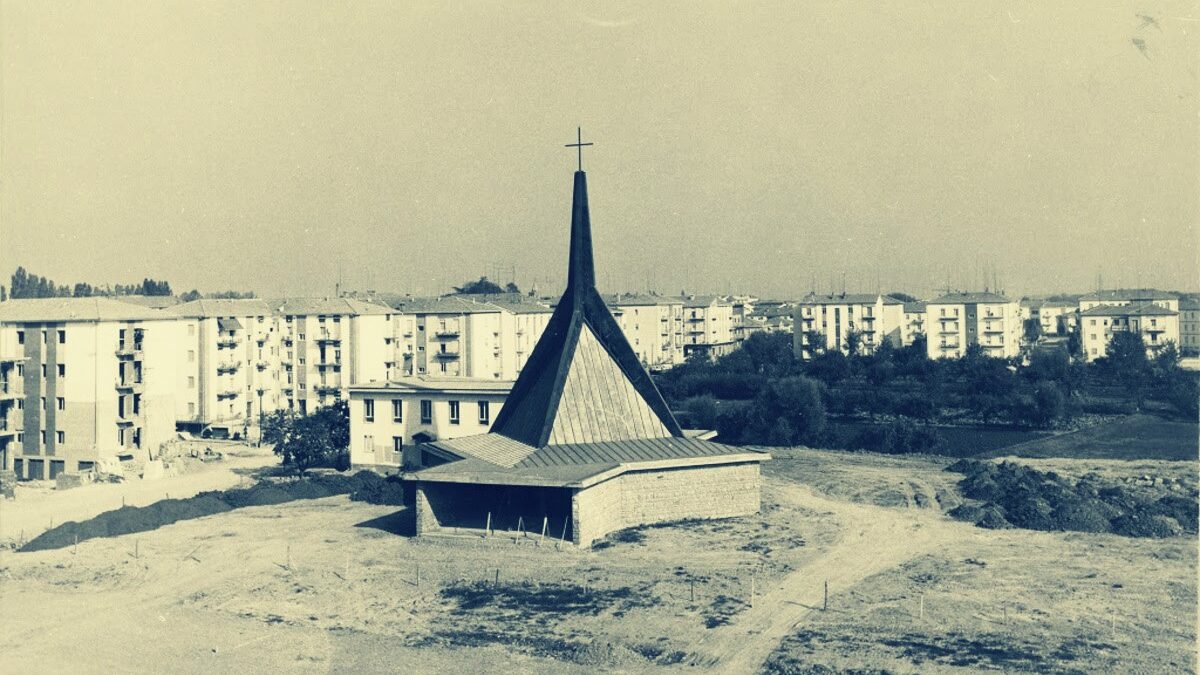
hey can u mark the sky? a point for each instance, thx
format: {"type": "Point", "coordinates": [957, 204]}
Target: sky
{"type": "Point", "coordinates": [764, 147]}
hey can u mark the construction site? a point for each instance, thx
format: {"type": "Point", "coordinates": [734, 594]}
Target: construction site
{"type": "Point", "coordinates": [852, 563]}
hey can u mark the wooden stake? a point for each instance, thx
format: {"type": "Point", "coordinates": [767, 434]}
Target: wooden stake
{"type": "Point", "coordinates": [75, 546]}
{"type": "Point", "coordinates": [545, 523]}
{"type": "Point", "coordinates": [289, 556]}
{"type": "Point", "coordinates": [497, 582]}
{"type": "Point", "coordinates": [521, 525]}
{"type": "Point", "coordinates": [752, 579]}
{"type": "Point", "coordinates": [921, 611]}
{"type": "Point", "coordinates": [487, 529]}
{"type": "Point", "coordinates": [564, 532]}
{"type": "Point", "coordinates": [825, 606]}
{"type": "Point", "coordinates": [418, 574]}
{"type": "Point", "coordinates": [692, 588]}
{"type": "Point", "coordinates": [135, 549]}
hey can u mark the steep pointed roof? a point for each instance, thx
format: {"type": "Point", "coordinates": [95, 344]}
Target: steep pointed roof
{"type": "Point", "coordinates": [583, 383]}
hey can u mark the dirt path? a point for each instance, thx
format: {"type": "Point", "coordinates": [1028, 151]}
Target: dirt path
{"type": "Point", "coordinates": [874, 539]}
{"type": "Point", "coordinates": [35, 510]}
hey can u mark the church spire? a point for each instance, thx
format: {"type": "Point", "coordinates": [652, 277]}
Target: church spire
{"type": "Point", "coordinates": [581, 271]}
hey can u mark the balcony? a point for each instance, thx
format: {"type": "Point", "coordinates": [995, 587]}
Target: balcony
{"type": "Point", "coordinates": [287, 340]}
{"type": "Point", "coordinates": [129, 350]}
{"type": "Point", "coordinates": [328, 338]}
{"type": "Point", "coordinates": [449, 356]}
{"type": "Point", "coordinates": [8, 391]}
{"type": "Point", "coordinates": [323, 365]}
{"type": "Point", "coordinates": [125, 422]}
{"type": "Point", "coordinates": [262, 365]}
{"type": "Point", "coordinates": [328, 390]}
{"type": "Point", "coordinates": [228, 367]}
{"type": "Point", "coordinates": [447, 332]}
{"type": "Point", "coordinates": [1154, 329]}
{"type": "Point", "coordinates": [228, 342]}
{"type": "Point", "coordinates": [130, 386]}
{"type": "Point", "coordinates": [227, 394]}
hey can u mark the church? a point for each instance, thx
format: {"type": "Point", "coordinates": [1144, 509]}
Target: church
{"type": "Point", "coordinates": [585, 444]}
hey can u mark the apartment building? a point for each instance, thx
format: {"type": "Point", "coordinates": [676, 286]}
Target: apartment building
{"type": "Point", "coordinates": [653, 325]}
{"type": "Point", "coordinates": [823, 322]}
{"type": "Point", "coordinates": [1056, 318]}
{"type": "Point", "coordinates": [1189, 327]}
{"type": "Point", "coordinates": [768, 316]}
{"type": "Point", "coordinates": [522, 321]}
{"type": "Point", "coordinates": [329, 344]}
{"type": "Point", "coordinates": [229, 365]}
{"type": "Point", "coordinates": [957, 320]}
{"type": "Point", "coordinates": [387, 418]}
{"type": "Point", "coordinates": [707, 326]}
{"type": "Point", "coordinates": [1125, 296]}
{"type": "Point", "coordinates": [1158, 326]}
{"type": "Point", "coordinates": [913, 324]}
{"type": "Point", "coordinates": [94, 379]}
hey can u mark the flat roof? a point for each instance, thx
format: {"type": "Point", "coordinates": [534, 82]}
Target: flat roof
{"type": "Point", "coordinates": [434, 383]}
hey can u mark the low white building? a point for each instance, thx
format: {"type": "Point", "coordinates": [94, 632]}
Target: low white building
{"type": "Point", "coordinates": [386, 418]}
{"type": "Point", "coordinates": [1157, 326]}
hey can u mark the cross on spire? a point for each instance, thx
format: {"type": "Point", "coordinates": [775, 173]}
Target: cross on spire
{"type": "Point", "coordinates": [578, 144]}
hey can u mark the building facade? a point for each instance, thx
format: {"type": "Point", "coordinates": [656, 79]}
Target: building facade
{"type": "Point", "coordinates": [707, 326]}
{"type": "Point", "coordinates": [91, 380]}
{"type": "Point", "coordinates": [1157, 326]}
{"type": "Point", "coordinates": [328, 345]}
{"type": "Point", "coordinates": [914, 323]}
{"type": "Point", "coordinates": [653, 325]}
{"type": "Point", "coordinates": [229, 365]}
{"type": "Point", "coordinates": [955, 321]}
{"type": "Point", "coordinates": [1189, 327]}
{"type": "Point", "coordinates": [386, 418]}
{"type": "Point", "coordinates": [1125, 296]}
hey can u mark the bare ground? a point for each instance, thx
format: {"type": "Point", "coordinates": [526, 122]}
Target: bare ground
{"type": "Point", "coordinates": [328, 586]}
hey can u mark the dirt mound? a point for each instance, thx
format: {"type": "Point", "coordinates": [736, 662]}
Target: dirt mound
{"type": "Point", "coordinates": [375, 489]}
{"type": "Point", "coordinates": [130, 519]}
{"type": "Point", "coordinates": [1014, 495]}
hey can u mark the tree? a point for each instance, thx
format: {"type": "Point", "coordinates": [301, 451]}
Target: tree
{"type": "Point", "coordinates": [511, 287]}
{"type": "Point", "coordinates": [1033, 329]}
{"type": "Point", "coordinates": [478, 287]}
{"type": "Point", "coordinates": [903, 297]}
{"type": "Point", "coordinates": [1126, 363]}
{"type": "Point", "coordinates": [795, 400]}
{"type": "Point", "coordinates": [854, 343]}
{"type": "Point", "coordinates": [190, 296]}
{"type": "Point", "coordinates": [319, 439]}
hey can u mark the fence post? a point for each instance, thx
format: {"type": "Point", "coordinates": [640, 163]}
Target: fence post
{"type": "Point", "coordinates": [497, 582]}
{"type": "Point", "coordinates": [545, 523]}
{"type": "Point", "coordinates": [487, 529]}
{"type": "Point", "coordinates": [825, 606]}
{"type": "Point", "coordinates": [921, 611]}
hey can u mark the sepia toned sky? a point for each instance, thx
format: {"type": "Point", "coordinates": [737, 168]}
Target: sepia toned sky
{"type": "Point", "coordinates": [762, 147]}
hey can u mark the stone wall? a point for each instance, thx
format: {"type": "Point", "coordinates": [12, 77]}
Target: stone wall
{"type": "Point", "coordinates": [645, 497]}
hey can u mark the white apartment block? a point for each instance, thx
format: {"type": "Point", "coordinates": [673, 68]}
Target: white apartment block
{"type": "Point", "coordinates": [1056, 318]}
{"type": "Point", "coordinates": [1157, 326]}
{"type": "Point", "coordinates": [957, 320]}
{"type": "Point", "coordinates": [653, 325]}
{"type": "Point", "coordinates": [768, 316]}
{"type": "Point", "coordinates": [707, 326]}
{"type": "Point", "coordinates": [1189, 327]}
{"type": "Point", "coordinates": [1126, 296]}
{"type": "Point", "coordinates": [229, 365]}
{"type": "Point", "coordinates": [459, 336]}
{"type": "Point", "coordinates": [913, 324]}
{"type": "Point", "coordinates": [388, 418]}
{"type": "Point", "coordinates": [330, 344]}
{"type": "Point", "coordinates": [824, 321]}
{"type": "Point", "coordinates": [85, 380]}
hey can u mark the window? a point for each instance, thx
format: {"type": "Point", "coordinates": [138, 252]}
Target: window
{"type": "Point", "coordinates": [20, 370]}
{"type": "Point", "coordinates": [191, 329]}
{"type": "Point", "coordinates": [43, 371]}
{"type": "Point", "coordinates": [62, 403]}
{"type": "Point", "coordinates": [62, 370]}
{"type": "Point", "coordinates": [453, 412]}
{"type": "Point", "coordinates": [368, 409]}
{"type": "Point", "coordinates": [397, 410]}
{"type": "Point", "coordinates": [426, 412]}
{"type": "Point", "coordinates": [43, 403]}
{"type": "Point", "coordinates": [20, 337]}
{"type": "Point", "coordinates": [43, 433]}
{"type": "Point", "coordinates": [62, 337]}
{"type": "Point", "coordinates": [45, 339]}
{"type": "Point", "coordinates": [60, 437]}
{"type": "Point", "coordinates": [397, 443]}
{"type": "Point", "coordinates": [191, 382]}
{"type": "Point", "coordinates": [191, 409]}
{"type": "Point", "coordinates": [485, 414]}
{"type": "Point", "coordinates": [191, 356]}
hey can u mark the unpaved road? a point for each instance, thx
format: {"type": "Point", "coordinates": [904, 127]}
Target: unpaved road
{"type": "Point", "coordinates": [875, 539]}
{"type": "Point", "coordinates": [35, 510]}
